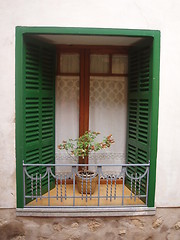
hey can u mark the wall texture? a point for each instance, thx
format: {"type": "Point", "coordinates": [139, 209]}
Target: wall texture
{"type": "Point", "coordinates": [134, 14]}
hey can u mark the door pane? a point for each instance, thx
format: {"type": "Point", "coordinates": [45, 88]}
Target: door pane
{"type": "Point", "coordinates": [69, 63]}
{"type": "Point", "coordinates": [99, 63]}
{"type": "Point", "coordinates": [108, 114]}
{"type": "Point", "coordinates": [67, 113]}
{"type": "Point", "coordinates": [119, 64]}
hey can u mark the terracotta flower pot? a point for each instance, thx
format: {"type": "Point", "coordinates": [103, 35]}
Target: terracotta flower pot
{"type": "Point", "coordinates": [92, 180]}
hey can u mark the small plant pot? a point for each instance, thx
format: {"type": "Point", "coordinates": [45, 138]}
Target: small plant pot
{"type": "Point", "coordinates": [88, 178]}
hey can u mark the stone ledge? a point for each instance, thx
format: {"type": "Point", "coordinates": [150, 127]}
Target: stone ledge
{"type": "Point", "coordinates": [85, 212]}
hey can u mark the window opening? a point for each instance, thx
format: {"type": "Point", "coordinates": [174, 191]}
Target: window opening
{"type": "Point", "coordinates": [143, 58]}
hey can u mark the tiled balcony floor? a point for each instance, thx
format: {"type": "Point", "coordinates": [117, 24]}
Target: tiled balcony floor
{"type": "Point", "coordinates": [89, 202]}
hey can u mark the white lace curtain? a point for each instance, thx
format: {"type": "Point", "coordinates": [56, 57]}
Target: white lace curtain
{"type": "Point", "coordinates": [108, 104]}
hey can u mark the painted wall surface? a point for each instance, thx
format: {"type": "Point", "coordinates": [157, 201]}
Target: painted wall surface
{"type": "Point", "coordinates": [160, 15]}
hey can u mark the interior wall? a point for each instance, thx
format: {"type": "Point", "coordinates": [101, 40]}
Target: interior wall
{"type": "Point", "coordinates": [125, 14]}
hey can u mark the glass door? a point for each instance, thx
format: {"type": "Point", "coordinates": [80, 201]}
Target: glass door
{"type": "Point", "coordinates": [91, 94]}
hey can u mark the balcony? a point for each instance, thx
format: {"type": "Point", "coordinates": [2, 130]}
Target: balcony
{"type": "Point", "coordinates": [55, 186]}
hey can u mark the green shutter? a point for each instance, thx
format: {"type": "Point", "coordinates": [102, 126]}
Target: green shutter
{"type": "Point", "coordinates": [39, 101]}
{"type": "Point", "coordinates": [139, 108]}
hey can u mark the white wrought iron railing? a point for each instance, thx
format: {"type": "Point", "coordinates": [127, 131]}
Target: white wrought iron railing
{"type": "Point", "coordinates": [127, 186]}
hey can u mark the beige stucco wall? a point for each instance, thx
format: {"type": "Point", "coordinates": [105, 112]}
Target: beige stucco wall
{"type": "Point", "coordinates": [162, 15]}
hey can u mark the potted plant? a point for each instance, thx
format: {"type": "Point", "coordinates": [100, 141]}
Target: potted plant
{"type": "Point", "coordinates": [80, 148]}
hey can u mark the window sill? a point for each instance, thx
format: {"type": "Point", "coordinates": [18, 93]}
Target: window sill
{"type": "Point", "coordinates": [85, 212]}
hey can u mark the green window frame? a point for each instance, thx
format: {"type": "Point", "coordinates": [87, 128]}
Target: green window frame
{"type": "Point", "coordinates": [21, 32]}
